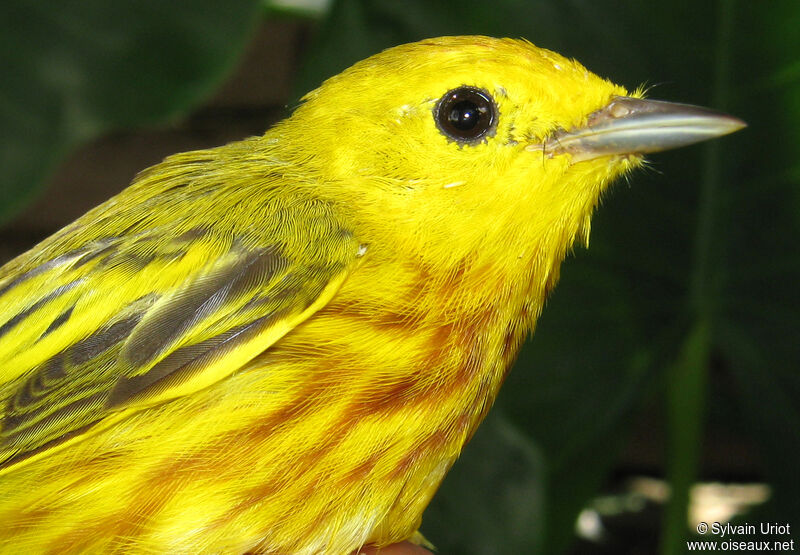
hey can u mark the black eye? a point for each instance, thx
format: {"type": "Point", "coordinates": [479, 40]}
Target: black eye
{"type": "Point", "coordinates": [466, 114]}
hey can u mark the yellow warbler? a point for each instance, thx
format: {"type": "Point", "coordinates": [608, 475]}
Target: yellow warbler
{"type": "Point", "coordinates": [281, 345]}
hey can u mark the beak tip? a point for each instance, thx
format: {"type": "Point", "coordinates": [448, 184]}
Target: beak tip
{"type": "Point", "coordinates": [737, 124]}
{"type": "Point", "coordinates": [718, 124]}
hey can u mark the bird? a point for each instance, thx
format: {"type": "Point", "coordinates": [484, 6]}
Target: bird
{"type": "Point", "coordinates": [282, 344]}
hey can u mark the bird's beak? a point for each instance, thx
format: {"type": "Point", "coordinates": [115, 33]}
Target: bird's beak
{"type": "Point", "coordinates": [636, 126]}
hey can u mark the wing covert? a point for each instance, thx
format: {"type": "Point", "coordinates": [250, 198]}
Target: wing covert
{"type": "Point", "coordinates": [126, 322]}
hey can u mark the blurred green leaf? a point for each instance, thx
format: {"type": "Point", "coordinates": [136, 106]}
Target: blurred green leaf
{"type": "Point", "coordinates": [72, 70]}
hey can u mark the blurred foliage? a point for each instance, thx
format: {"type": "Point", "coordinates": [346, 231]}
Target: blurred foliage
{"type": "Point", "coordinates": [688, 295]}
{"type": "Point", "coordinates": [295, 8]}
{"type": "Point", "coordinates": [73, 70]}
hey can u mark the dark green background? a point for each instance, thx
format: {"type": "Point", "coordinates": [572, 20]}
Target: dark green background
{"type": "Point", "coordinates": [684, 312]}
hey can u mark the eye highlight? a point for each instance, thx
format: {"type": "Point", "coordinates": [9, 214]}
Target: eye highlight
{"type": "Point", "coordinates": [466, 114]}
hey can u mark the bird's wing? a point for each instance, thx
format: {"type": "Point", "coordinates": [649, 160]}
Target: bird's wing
{"type": "Point", "coordinates": [125, 322]}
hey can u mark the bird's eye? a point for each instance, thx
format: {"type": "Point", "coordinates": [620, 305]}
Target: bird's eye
{"type": "Point", "coordinates": [466, 114]}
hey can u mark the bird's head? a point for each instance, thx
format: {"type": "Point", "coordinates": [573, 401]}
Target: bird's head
{"type": "Point", "coordinates": [486, 148]}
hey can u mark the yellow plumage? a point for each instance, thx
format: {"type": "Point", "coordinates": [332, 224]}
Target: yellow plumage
{"type": "Point", "coordinates": [281, 345]}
